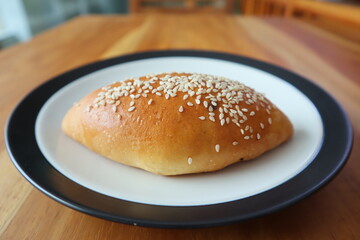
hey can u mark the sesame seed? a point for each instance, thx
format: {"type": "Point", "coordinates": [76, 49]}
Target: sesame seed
{"type": "Point", "coordinates": [242, 131]}
{"type": "Point", "coordinates": [181, 109]}
{"type": "Point", "coordinates": [211, 109]}
{"type": "Point", "coordinates": [131, 103]}
{"type": "Point", "coordinates": [150, 101]}
{"type": "Point", "coordinates": [262, 125]}
{"type": "Point", "coordinates": [189, 160]}
{"type": "Point", "coordinates": [205, 104]}
{"type": "Point", "coordinates": [118, 116]}
{"type": "Point", "coordinates": [269, 121]}
{"type": "Point", "coordinates": [244, 109]}
{"type": "Point", "coordinates": [131, 109]}
{"type": "Point", "coordinates": [217, 148]}
{"type": "Point", "coordinates": [222, 122]}
{"type": "Point", "coordinates": [197, 101]}
{"type": "Point", "coordinates": [202, 118]}
{"type": "Point", "coordinates": [211, 118]}
{"type": "Point", "coordinates": [114, 108]}
{"type": "Point", "coordinates": [235, 143]}
{"type": "Point", "coordinates": [258, 136]}
{"type": "Point", "coordinates": [246, 137]}
{"type": "Point", "coordinates": [252, 113]}
{"type": "Point", "coordinates": [158, 93]}
{"type": "Point", "coordinates": [190, 104]}
{"type": "Point", "coordinates": [185, 96]}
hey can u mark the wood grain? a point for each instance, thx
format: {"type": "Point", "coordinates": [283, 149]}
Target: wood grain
{"type": "Point", "coordinates": [327, 59]}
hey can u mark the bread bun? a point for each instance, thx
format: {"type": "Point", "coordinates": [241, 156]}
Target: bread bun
{"type": "Point", "coordinates": [177, 123]}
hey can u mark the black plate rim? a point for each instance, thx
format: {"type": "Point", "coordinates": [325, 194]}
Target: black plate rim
{"type": "Point", "coordinates": [52, 183]}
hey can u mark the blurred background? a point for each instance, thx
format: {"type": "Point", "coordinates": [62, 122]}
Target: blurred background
{"type": "Point", "coordinates": [20, 20]}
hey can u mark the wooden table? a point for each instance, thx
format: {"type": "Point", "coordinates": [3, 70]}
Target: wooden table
{"type": "Point", "coordinates": [326, 59]}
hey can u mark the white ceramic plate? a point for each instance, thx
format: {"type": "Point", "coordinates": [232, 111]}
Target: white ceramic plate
{"type": "Point", "coordinates": [235, 182]}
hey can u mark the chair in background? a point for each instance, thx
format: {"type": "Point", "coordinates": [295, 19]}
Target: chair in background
{"type": "Point", "coordinates": [283, 8]}
{"type": "Point", "coordinates": [181, 6]}
{"type": "Point", "coordinates": [312, 9]}
{"type": "Point", "coordinates": [333, 11]}
{"type": "Point", "coordinates": [339, 18]}
{"type": "Point", "coordinates": [252, 7]}
{"type": "Point", "coordinates": [302, 9]}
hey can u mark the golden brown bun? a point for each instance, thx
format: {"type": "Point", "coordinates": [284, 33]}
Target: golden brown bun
{"type": "Point", "coordinates": [162, 139]}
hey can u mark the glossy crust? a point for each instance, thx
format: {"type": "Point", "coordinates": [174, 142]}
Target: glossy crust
{"type": "Point", "coordinates": [159, 138]}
